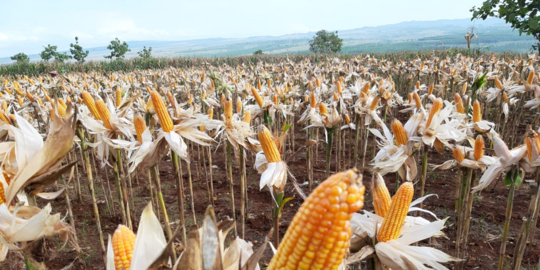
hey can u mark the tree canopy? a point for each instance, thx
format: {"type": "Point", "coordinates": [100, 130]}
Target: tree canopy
{"type": "Point", "coordinates": [118, 49]}
{"type": "Point", "coordinates": [325, 42]}
{"type": "Point", "coordinates": [21, 57]}
{"type": "Point", "coordinates": [48, 52]}
{"type": "Point", "coordinates": [521, 14]}
{"type": "Point", "coordinates": [77, 51]}
{"type": "Point", "coordinates": [145, 53]}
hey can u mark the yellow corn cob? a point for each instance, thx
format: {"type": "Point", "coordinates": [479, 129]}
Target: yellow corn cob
{"type": "Point", "coordinates": [479, 147]}
{"type": "Point", "coordinates": [459, 103]}
{"type": "Point", "coordinates": [4, 106]}
{"type": "Point", "coordinates": [123, 241]}
{"type": "Point", "coordinates": [104, 113]}
{"type": "Point", "coordinates": [259, 86]}
{"type": "Point", "coordinates": [498, 83]}
{"type": "Point", "coordinates": [323, 110]}
{"type": "Point", "coordinates": [381, 196]}
{"type": "Point", "coordinates": [464, 89]}
{"type": "Point", "coordinates": [228, 110]}
{"type": "Point", "coordinates": [477, 113]}
{"type": "Point", "coordinates": [531, 77]}
{"type": "Point", "coordinates": [399, 133]}
{"type": "Point", "coordinates": [366, 87]}
{"type": "Point", "coordinates": [39, 100]}
{"type": "Point", "coordinates": [62, 102]}
{"type": "Point", "coordinates": [438, 145]}
{"type": "Point", "coordinates": [275, 99]}
{"type": "Point", "coordinates": [247, 117]}
{"type": "Point", "coordinates": [336, 97]}
{"type": "Point", "coordinates": [436, 107]}
{"type": "Point", "coordinates": [417, 100]}
{"type": "Point", "coordinates": [312, 100]}
{"type": "Point", "coordinates": [4, 117]}
{"type": "Point", "coordinates": [30, 97]}
{"type": "Point", "coordinates": [269, 82]}
{"type": "Point", "coordinates": [20, 100]}
{"type": "Point", "coordinates": [430, 90]}
{"type": "Point", "coordinates": [162, 113]}
{"type": "Point", "coordinates": [140, 126]}
{"type": "Point", "coordinates": [268, 145]}
{"type": "Point", "coordinates": [257, 97]}
{"type": "Point", "coordinates": [505, 97]}
{"type": "Point", "coordinates": [118, 97]}
{"type": "Point", "coordinates": [347, 119]}
{"type": "Point", "coordinates": [318, 82]}
{"type": "Point", "coordinates": [417, 84]}
{"type": "Point", "coordinates": [318, 237]}
{"type": "Point", "coordinates": [458, 154]}
{"type": "Point", "coordinates": [374, 103]}
{"type": "Point", "coordinates": [238, 105]}
{"type": "Point", "coordinates": [410, 98]}
{"type": "Point", "coordinates": [90, 103]}
{"type": "Point", "coordinates": [395, 218]}
{"type": "Point", "coordinates": [211, 113]}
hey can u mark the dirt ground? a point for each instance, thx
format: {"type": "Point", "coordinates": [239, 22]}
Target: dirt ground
{"type": "Point", "coordinates": [484, 240]}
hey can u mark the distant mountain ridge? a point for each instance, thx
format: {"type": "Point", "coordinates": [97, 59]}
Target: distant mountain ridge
{"type": "Point", "coordinates": [494, 35]}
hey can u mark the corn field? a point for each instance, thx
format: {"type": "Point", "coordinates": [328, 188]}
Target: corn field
{"type": "Point", "coordinates": [426, 160]}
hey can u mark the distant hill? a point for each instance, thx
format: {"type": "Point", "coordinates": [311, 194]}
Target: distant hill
{"type": "Point", "coordinates": [494, 35]}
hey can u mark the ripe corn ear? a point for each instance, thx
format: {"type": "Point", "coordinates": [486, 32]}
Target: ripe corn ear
{"type": "Point", "coordinates": [399, 133]}
{"type": "Point", "coordinates": [381, 195]}
{"type": "Point", "coordinates": [104, 113]}
{"type": "Point", "coordinates": [395, 218]}
{"type": "Point", "coordinates": [123, 241]}
{"type": "Point", "coordinates": [479, 147]}
{"type": "Point", "coordinates": [140, 126]}
{"type": "Point", "coordinates": [318, 237]}
{"type": "Point", "coordinates": [477, 112]}
{"type": "Point", "coordinates": [162, 113]}
{"type": "Point", "coordinates": [436, 107]}
{"type": "Point", "coordinates": [268, 145]}
{"type": "Point", "coordinates": [458, 154]}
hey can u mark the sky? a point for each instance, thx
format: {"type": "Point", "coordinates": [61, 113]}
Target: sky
{"type": "Point", "coordinates": [28, 25]}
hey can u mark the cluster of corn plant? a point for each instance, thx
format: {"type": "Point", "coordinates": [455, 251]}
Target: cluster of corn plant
{"type": "Point", "coordinates": [386, 115]}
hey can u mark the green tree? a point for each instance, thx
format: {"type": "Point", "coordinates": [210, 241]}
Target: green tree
{"type": "Point", "coordinates": [77, 51]}
{"type": "Point", "coordinates": [20, 58]}
{"type": "Point", "coordinates": [48, 52]}
{"type": "Point", "coordinates": [325, 42]}
{"type": "Point", "coordinates": [521, 14]}
{"type": "Point", "coordinates": [61, 57]}
{"type": "Point", "coordinates": [118, 49]}
{"type": "Point", "coordinates": [258, 52]}
{"type": "Point", "coordinates": [145, 53]}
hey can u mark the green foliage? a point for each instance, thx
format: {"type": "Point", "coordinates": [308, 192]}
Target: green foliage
{"type": "Point", "coordinates": [145, 53]}
{"type": "Point", "coordinates": [325, 42]}
{"type": "Point", "coordinates": [48, 52]}
{"type": "Point", "coordinates": [521, 14]}
{"type": "Point", "coordinates": [258, 52]}
{"type": "Point", "coordinates": [61, 57]}
{"type": "Point", "coordinates": [21, 58]}
{"type": "Point", "coordinates": [77, 52]}
{"type": "Point", "coordinates": [118, 49]}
